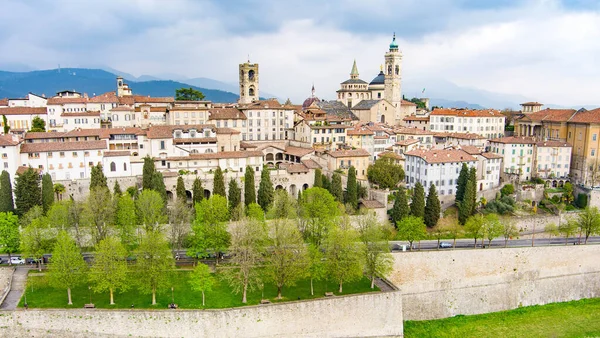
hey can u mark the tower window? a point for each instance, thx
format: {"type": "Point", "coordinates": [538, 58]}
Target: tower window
{"type": "Point", "coordinates": [397, 70]}
{"type": "Point", "coordinates": [251, 91]}
{"type": "Point", "coordinates": [389, 69]}
{"type": "Point", "coordinates": [251, 74]}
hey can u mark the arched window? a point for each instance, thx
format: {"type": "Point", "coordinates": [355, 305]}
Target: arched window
{"type": "Point", "coordinates": [113, 166]}
{"type": "Point", "coordinates": [397, 70]}
{"type": "Point", "coordinates": [251, 74]}
{"type": "Point", "coordinates": [209, 151]}
{"type": "Point", "coordinates": [251, 91]}
{"type": "Point", "coordinates": [124, 166]}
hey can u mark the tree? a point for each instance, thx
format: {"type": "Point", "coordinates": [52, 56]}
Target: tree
{"type": "Point", "coordinates": [117, 192]}
{"type": "Point", "coordinates": [492, 228]}
{"type": "Point", "coordinates": [316, 265]}
{"type": "Point", "coordinates": [344, 260]}
{"type": "Point", "coordinates": [150, 210]}
{"type": "Point", "coordinates": [109, 271]}
{"type": "Point", "coordinates": [254, 211]}
{"type": "Point", "coordinates": [326, 182]}
{"type": "Point", "coordinates": [265, 190]}
{"type": "Point", "coordinates": [287, 257]}
{"type": "Point", "coordinates": [159, 186]}
{"type": "Point", "coordinates": [249, 188]}
{"type": "Point", "coordinates": [59, 190]}
{"type": "Point", "coordinates": [201, 279]}
{"type": "Point", "coordinates": [210, 227]}
{"type": "Point", "coordinates": [47, 192]}
{"type": "Point", "coordinates": [235, 197]}
{"type": "Point", "coordinates": [467, 205]}
{"type": "Point", "coordinates": [76, 211]}
{"type": "Point", "coordinates": [126, 219]}
{"type": "Point", "coordinates": [99, 212]}
{"type": "Point", "coordinates": [508, 189]}
{"type": "Point", "coordinates": [318, 208]}
{"type": "Point", "coordinates": [336, 187]}
{"type": "Point", "coordinates": [5, 125]}
{"type": "Point", "coordinates": [27, 191]}
{"type": "Point", "coordinates": [133, 192]}
{"type": "Point", "coordinates": [474, 227]}
{"type": "Point", "coordinates": [589, 222]}
{"type": "Point", "coordinates": [6, 193]}
{"type": "Point", "coordinates": [432, 208]}
{"type": "Point", "coordinates": [568, 194]}
{"type": "Point", "coordinates": [10, 237]}
{"type": "Point", "coordinates": [219, 183]}
{"type": "Point", "coordinates": [37, 239]}
{"type": "Point", "coordinates": [197, 191]}
{"type": "Point", "coordinates": [473, 187]}
{"type": "Point", "coordinates": [38, 125]}
{"type": "Point", "coordinates": [154, 263]}
{"type": "Point", "coordinates": [417, 205]}
{"type": "Point", "coordinates": [400, 208]}
{"type": "Point", "coordinates": [68, 269]}
{"type": "Point", "coordinates": [451, 227]}
{"type": "Point", "coordinates": [410, 229]}
{"type": "Point", "coordinates": [461, 183]}
{"type": "Point", "coordinates": [180, 190]}
{"type": "Point", "coordinates": [188, 94]}
{"type": "Point", "coordinates": [376, 250]}
{"type": "Point", "coordinates": [179, 217]}
{"type": "Point", "coordinates": [509, 230]}
{"type": "Point", "coordinates": [97, 178]}
{"type": "Point", "coordinates": [568, 228]}
{"type": "Point", "coordinates": [352, 188]}
{"type": "Point", "coordinates": [318, 181]}
{"type": "Point", "coordinates": [248, 238]}
{"type": "Point", "coordinates": [58, 215]}
{"type": "Point", "coordinates": [283, 206]}
{"type": "Point", "coordinates": [385, 173]}
{"type": "Point", "coordinates": [148, 173]}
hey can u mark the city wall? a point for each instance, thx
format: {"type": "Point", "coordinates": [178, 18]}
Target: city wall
{"type": "Point", "coordinates": [367, 315]}
{"type": "Point", "coordinates": [446, 283]}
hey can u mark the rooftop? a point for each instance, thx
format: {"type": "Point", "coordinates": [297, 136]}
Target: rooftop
{"type": "Point", "coordinates": [442, 156]}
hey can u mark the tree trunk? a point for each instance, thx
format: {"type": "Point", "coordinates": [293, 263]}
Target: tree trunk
{"type": "Point", "coordinates": [489, 243]}
{"type": "Point", "coordinates": [202, 297]}
{"type": "Point", "coordinates": [245, 288]}
{"type": "Point", "coordinates": [341, 283]}
{"type": "Point", "coordinates": [373, 281]}
{"type": "Point", "coordinates": [438, 249]}
{"type": "Point", "coordinates": [153, 296]}
{"type": "Point", "coordinates": [566, 239]}
{"type": "Point", "coordinates": [39, 264]}
{"type": "Point", "coordinates": [475, 245]}
{"type": "Point", "coordinates": [454, 245]}
{"type": "Point", "coordinates": [69, 296]}
{"type": "Point", "coordinates": [112, 300]}
{"type": "Point", "coordinates": [312, 290]}
{"type": "Point", "coordinates": [279, 292]}
{"type": "Point", "coordinates": [505, 242]}
{"type": "Point", "coordinates": [9, 257]}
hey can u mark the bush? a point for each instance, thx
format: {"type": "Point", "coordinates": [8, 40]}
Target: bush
{"type": "Point", "coordinates": [508, 189]}
{"type": "Point", "coordinates": [538, 180]}
{"type": "Point", "coordinates": [582, 200]}
{"type": "Point", "coordinates": [570, 207]}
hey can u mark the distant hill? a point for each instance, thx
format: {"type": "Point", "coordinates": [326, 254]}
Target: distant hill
{"type": "Point", "coordinates": [453, 104]}
{"type": "Point", "coordinates": [92, 82]}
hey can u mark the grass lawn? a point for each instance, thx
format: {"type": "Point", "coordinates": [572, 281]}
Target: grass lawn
{"type": "Point", "coordinates": [41, 295]}
{"type": "Point", "coordinates": [571, 319]}
{"type": "Point", "coordinates": [555, 190]}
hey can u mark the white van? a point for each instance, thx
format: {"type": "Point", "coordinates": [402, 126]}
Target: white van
{"type": "Point", "coordinates": [17, 260]}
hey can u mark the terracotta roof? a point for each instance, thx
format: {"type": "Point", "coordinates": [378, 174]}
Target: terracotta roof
{"type": "Point", "coordinates": [311, 164]}
{"type": "Point", "coordinates": [217, 155]}
{"type": "Point", "coordinates": [23, 111]}
{"type": "Point", "coordinates": [490, 155]}
{"type": "Point", "coordinates": [372, 204]}
{"type": "Point", "coordinates": [514, 140]}
{"type": "Point", "coordinates": [107, 132]}
{"type": "Point", "coordinates": [122, 108]}
{"type": "Point", "coordinates": [226, 114]}
{"type": "Point", "coordinates": [466, 136]}
{"type": "Point", "coordinates": [43, 135]}
{"type": "Point", "coordinates": [156, 132]}
{"type": "Point", "coordinates": [116, 153]}
{"type": "Point", "coordinates": [442, 156]}
{"type": "Point", "coordinates": [349, 153]}
{"type": "Point", "coordinates": [265, 104]}
{"type": "Point", "coordinates": [297, 151]}
{"type": "Point", "coordinates": [108, 97]}
{"type": "Point", "coordinates": [66, 100]}
{"type": "Point", "coordinates": [586, 116]}
{"type": "Point", "coordinates": [62, 146]}
{"type": "Point", "coordinates": [412, 131]}
{"type": "Point", "coordinates": [359, 131]}
{"type": "Point", "coordinates": [407, 103]}
{"type": "Point", "coordinates": [3, 102]}
{"type": "Point", "coordinates": [197, 140]}
{"type": "Point", "coordinates": [407, 142]}
{"type": "Point", "coordinates": [246, 145]}
{"type": "Point", "coordinates": [148, 99]}
{"type": "Point", "coordinates": [297, 168]}
{"type": "Point", "coordinates": [550, 115]}
{"type": "Point", "coordinates": [227, 131]}
{"type": "Point", "coordinates": [467, 112]}
{"type": "Point", "coordinates": [84, 132]}
{"type": "Point", "coordinates": [471, 150]}
{"type": "Point", "coordinates": [416, 118]}
{"type": "Point", "coordinates": [21, 169]}
{"type": "Point", "coordinates": [553, 144]}
{"type": "Point", "coordinates": [151, 109]}
{"type": "Point", "coordinates": [126, 100]}
{"type": "Point", "coordinates": [83, 113]}
{"type": "Point", "coordinates": [7, 140]}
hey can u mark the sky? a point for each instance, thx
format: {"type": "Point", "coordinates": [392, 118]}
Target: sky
{"type": "Point", "coordinates": [543, 50]}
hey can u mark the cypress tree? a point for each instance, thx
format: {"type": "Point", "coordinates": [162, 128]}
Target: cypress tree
{"type": "Point", "coordinates": [400, 209]}
{"type": "Point", "coordinates": [417, 205]}
{"type": "Point", "coordinates": [473, 187]}
{"type": "Point", "coordinates": [336, 187]}
{"type": "Point", "coordinates": [181, 196]}
{"type": "Point", "coordinates": [47, 192]}
{"type": "Point", "coordinates": [159, 185]}
{"type": "Point", "coordinates": [235, 195]}
{"type": "Point", "coordinates": [326, 182]}
{"type": "Point", "coordinates": [318, 179]}
{"type": "Point", "coordinates": [461, 182]}
{"type": "Point", "coordinates": [432, 207]}
{"type": "Point", "coordinates": [27, 191]}
{"type": "Point", "coordinates": [117, 189]}
{"type": "Point", "coordinates": [219, 183]}
{"type": "Point", "coordinates": [466, 206]}
{"type": "Point", "coordinates": [352, 188]}
{"type": "Point", "coordinates": [299, 195]}
{"type": "Point", "coordinates": [197, 191]}
{"type": "Point", "coordinates": [148, 173]}
{"type": "Point", "coordinates": [7, 203]}
{"type": "Point", "coordinates": [265, 190]}
{"type": "Point", "coordinates": [249, 188]}
{"type": "Point", "coordinates": [97, 177]}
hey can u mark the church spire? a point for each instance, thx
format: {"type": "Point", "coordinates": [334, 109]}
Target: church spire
{"type": "Point", "coordinates": [354, 73]}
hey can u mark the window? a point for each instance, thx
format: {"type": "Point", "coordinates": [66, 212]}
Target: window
{"type": "Point", "coordinates": [113, 166]}
{"type": "Point", "coordinates": [162, 145]}
{"type": "Point", "coordinates": [124, 166]}
{"type": "Point", "coordinates": [62, 154]}
{"type": "Point", "coordinates": [594, 137]}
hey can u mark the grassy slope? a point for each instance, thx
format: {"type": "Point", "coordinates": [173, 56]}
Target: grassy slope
{"type": "Point", "coordinates": [570, 319]}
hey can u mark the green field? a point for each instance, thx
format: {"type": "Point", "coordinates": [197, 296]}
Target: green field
{"type": "Point", "coordinates": [40, 295]}
{"type": "Point", "coordinates": [570, 319]}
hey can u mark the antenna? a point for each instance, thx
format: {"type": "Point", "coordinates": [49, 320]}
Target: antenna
{"type": "Point", "coordinates": [248, 58]}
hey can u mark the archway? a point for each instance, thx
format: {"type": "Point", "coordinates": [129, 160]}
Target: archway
{"type": "Point", "coordinates": [206, 193]}
{"type": "Point", "coordinates": [169, 196]}
{"type": "Point", "coordinates": [279, 187]}
{"type": "Point", "coordinates": [480, 186]}
{"type": "Point", "coordinates": [554, 184]}
{"type": "Point", "coordinates": [305, 186]}
{"type": "Point", "coordinates": [269, 157]}
{"type": "Point", "coordinates": [561, 184]}
{"type": "Point", "coordinates": [279, 157]}
{"type": "Point", "coordinates": [293, 189]}
{"type": "Point", "coordinates": [188, 195]}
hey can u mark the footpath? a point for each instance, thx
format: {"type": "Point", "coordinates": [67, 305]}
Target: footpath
{"type": "Point", "coordinates": [17, 287]}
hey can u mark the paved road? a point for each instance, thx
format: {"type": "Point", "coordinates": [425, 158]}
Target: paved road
{"type": "Point", "coordinates": [16, 290]}
{"type": "Point", "coordinates": [498, 243]}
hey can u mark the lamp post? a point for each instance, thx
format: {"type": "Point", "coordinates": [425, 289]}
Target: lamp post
{"type": "Point", "coordinates": [172, 296]}
{"type": "Point", "coordinates": [90, 290]}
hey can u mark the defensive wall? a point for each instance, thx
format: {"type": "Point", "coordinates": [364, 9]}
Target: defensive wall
{"type": "Point", "coordinates": [445, 283]}
{"type": "Point", "coordinates": [367, 315]}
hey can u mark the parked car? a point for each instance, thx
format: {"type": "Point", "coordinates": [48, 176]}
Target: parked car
{"type": "Point", "coordinates": [17, 260]}
{"type": "Point", "coordinates": [445, 245]}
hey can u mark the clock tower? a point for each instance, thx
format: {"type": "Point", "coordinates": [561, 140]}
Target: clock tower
{"type": "Point", "coordinates": [393, 70]}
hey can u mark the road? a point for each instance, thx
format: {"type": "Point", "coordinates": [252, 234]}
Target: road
{"type": "Point", "coordinates": [497, 243]}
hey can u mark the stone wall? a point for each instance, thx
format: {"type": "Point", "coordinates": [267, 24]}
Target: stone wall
{"type": "Point", "coordinates": [442, 284]}
{"type": "Point", "coordinates": [367, 315]}
{"type": "Point", "coordinates": [6, 273]}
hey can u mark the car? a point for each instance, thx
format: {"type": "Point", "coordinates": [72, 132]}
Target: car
{"type": "Point", "coordinates": [445, 245]}
{"type": "Point", "coordinates": [17, 260]}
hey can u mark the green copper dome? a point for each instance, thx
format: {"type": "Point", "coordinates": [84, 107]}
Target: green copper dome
{"type": "Point", "coordinates": [394, 44]}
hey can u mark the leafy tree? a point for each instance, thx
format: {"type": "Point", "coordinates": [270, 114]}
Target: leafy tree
{"type": "Point", "coordinates": [376, 250]}
{"type": "Point", "coordinates": [210, 227]}
{"type": "Point", "coordinates": [38, 125]}
{"type": "Point", "coordinates": [47, 192]}
{"type": "Point", "coordinates": [589, 222]}
{"type": "Point", "coordinates": [197, 191]}
{"type": "Point", "coordinates": [352, 188]}
{"type": "Point", "coordinates": [450, 226]}
{"type": "Point", "coordinates": [467, 206]}
{"type": "Point", "coordinates": [473, 187]}
{"type": "Point", "coordinates": [150, 210]}
{"type": "Point", "coordinates": [7, 203]}
{"type": "Point", "coordinates": [99, 212]}
{"type": "Point", "coordinates": [568, 229]}
{"type": "Point", "coordinates": [37, 239]}
{"type": "Point", "coordinates": [461, 183]}
{"type": "Point", "coordinates": [126, 219]}
{"type": "Point", "coordinates": [201, 279]}
{"type": "Point", "coordinates": [283, 206]}
{"type": "Point", "coordinates": [248, 239]}
{"type": "Point", "coordinates": [568, 194]}
{"type": "Point", "coordinates": [133, 192]}
{"type": "Point", "coordinates": [492, 228]}
{"type": "Point", "coordinates": [287, 257]}
{"type": "Point", "coordinates": [27, 191]}
{"type": "Point", "coordinates": [508, 189]}
{"type": "Point", "coordinates": [154, 263]}
{"type": "Point", "coordinates": [68, 269]}
{"type": "Point", "coordinates": [385, 173]}
{"type": "Point", "coordinates": [58, 215]}
{"type": "Point", "coordinates": [76, 218]}
{"type": "Point", "coordinates": [117, 192]}
{"type": "Point", "coordinates": [475, 227]}
{"type": "Point", "coordinates": [417, 205]}
{"type": "Point", "coordinates": [265, 190]}
{"type": "Point", "coordinates": [509, 230]}
{"type": "Point", "coordinates": [336, 187]}
{"type": "Point", "coordinates": [180, 216]}
{"type": "Point", "coordinates": [5, 125]}
{"type": "Point", "coordinates": [316, 266]}
{"type": "Point", "coordinates": [344, 260]}
{"type": "Point", "coordinates": [148, 173]}
{"type": "Point", "coordinates": [318, 182]}
{"type": "Point", "coordinates": [97, 178]}
{"type": "Point", "coordinates": [254, 211]}
{"type": "Point", "coordinates": [219, 183]}
{"type": "Point", "coordinates": [325, 182]}
{"type": "Point", "coordinates": [109, 271]}
{"type": "Point", "coordinates": [318, 208]}
{"type": "Point", "coordinates": [10, 238]}
{"type": "Point", "coordinates": [400, 208]}
{"type": "Point", "coordinates": [432, 208]}
{"type": "Point", "coordinates": [188, 94]}
{"type": "Point", "coordinates": [235, 197]}
{"type": "Point", "coordinates": [410, 229]}
{"type": "Point", "coordinates": [159, 186]}
{"type": "Point", "coordinates": [59, 190]}
{"type": "Point", "coordinates": [249, 188]}
{"type": "Point", "coordinates": [180, 190]}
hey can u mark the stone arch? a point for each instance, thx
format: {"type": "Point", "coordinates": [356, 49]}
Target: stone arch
{"type": "Point", "coordinates": [279, 187]}
{"type": "Point", "coordinates": [554, 184]}
{"type": "Point", "coordinates": [251, 75]}
{"type": "Point", "coordinates": [561, 183]}
{"type": "Point", "coordinates": [279, 157]}
{"type": "Point", "coordinates": [305, 186]}
{"type": "Point", "coordinates": [293, 190]}
{"type": "Point", "coordinates": [206, 193]}
{"type": "Point", "coordinates": [269, 157]}
{"type": "Point", "coordinates": [188, 195]}
{"type": "Point", "coordinates": [251, 91]}
{"type": "Point", "coordinates": [169, 195]}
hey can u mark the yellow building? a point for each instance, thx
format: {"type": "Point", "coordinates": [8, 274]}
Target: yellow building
{"type": "Point", "coordinates": [583, 131]}
{"type": "Point", "coordinates": [344, 159]}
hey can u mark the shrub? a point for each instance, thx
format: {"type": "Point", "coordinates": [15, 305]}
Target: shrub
{"type": "Point", "coordinates": [582, 200]}
{"type": "Point", "coordinates": [508, 189]}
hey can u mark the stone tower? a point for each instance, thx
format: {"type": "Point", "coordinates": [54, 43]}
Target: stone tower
{"type": "Point", "coordinates": [393, 75]}
{"type": "Point", "coordinates": [248, 82]}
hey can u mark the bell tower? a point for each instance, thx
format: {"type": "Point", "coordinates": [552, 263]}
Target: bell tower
{"type": "Point", "coordinates": [393, 75]}
{"type": "Point", "coordinates": [248, 82]}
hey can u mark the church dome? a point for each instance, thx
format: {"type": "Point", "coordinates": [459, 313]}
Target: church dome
{"type": "Point", "coordinates": [309, 101]}
{"type": "Point", "coordinates": [379, 79]}
{"type": "Point", "coordinates": [394, 44]}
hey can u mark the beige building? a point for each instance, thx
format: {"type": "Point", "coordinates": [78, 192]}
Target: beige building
{"type": "Point", "coordinates": [344, 159]}
{"type": "Point", "coordinates": [189, 112]}
{"type": "Point", "coordinates": [486, 122]}
{"type": "Point", "coordinates": [553, 160]}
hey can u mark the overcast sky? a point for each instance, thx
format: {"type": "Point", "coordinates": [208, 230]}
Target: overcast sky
{"type": "Point", "coordinates": [546, 50]}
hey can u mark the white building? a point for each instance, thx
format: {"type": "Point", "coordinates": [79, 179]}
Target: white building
{"type": "Point", "coordinates": [517, 156]}
{"type": "Point", "coordinates": [267, 120]}
{"type": "Point", "coordinates": [553, 159]}
{"type": "Point", "coordinates": [488, 122]}
{"type": "Point", "coordinates": [10, 157]}
{"type": "Point", "coordinates": [20, 118]}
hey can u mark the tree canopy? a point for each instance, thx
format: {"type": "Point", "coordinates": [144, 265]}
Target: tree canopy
{"type": "Point", "coordinates": [188, 94]}
{"type": "Point", "coordinates": [68, 269]}
{"type": "Point", "coordinates": [249, 188]}
{"type": "Point", "coordinates": [385, 173]}
{"type": "Point", "coordinates": [417, 204]}
{"type": "Point", "coordinates": [219, 183]}
{"type": "Point", "coordinates": [38, 125]}
{"type": "Point", "coordinates": [6, 193]}
{"type": "Point", "coordinates": [432, 208]}
{"type": "Point", "coordinates": [27, 191]}
{"type": "Point", "coordinates": [265, 190]}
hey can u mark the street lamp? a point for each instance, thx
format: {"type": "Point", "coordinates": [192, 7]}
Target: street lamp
{"type": "Point", "coordinates": [90, 290]}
